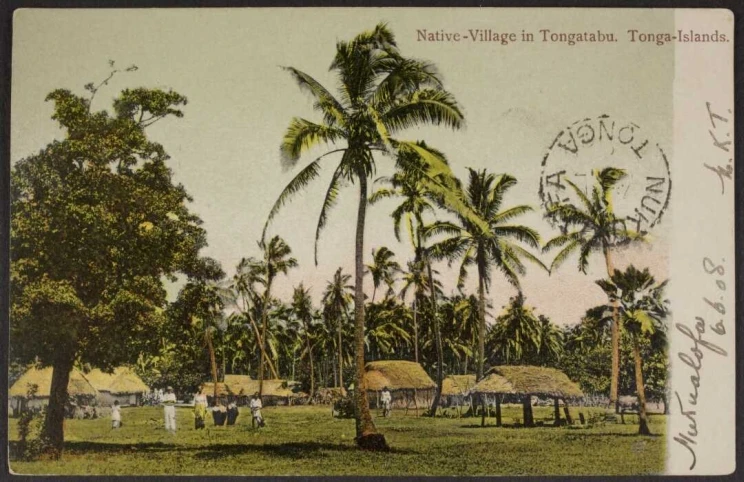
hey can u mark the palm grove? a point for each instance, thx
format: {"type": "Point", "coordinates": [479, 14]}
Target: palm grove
{"type": "Point", "coordinates": [97, 225]}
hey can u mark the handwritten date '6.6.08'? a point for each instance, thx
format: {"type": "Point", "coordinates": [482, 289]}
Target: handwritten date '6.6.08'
{"type": "Point", "coordinates": [702, 342]}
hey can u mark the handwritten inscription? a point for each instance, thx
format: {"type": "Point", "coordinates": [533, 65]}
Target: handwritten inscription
{"type": "Point", "coordinates": [720, 134]}
{"type": "Point", "coordinates": [693, 358]}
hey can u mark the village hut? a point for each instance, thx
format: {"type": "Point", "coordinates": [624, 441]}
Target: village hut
{"type": "Point", "coordinates": [78, 388]}
{"type": "Point", "coordinates": [207, 388]}
{"type": "Point", "coordinates": [122, 385]}
{"type": "Point", "coordinates": [240, 388]}
{"type": "Point", "coordinates": [456, 391]}
{"type": "Point", "coordinates": [525, 382]}
{"type": "Point", "coordinates": [407, 381]}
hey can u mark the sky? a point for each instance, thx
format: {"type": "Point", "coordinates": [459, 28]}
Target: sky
{"type": "Point", "coordinates": [225, 150]}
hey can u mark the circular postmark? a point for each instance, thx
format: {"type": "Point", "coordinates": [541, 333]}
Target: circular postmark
{"type": "Point", "coordinates": [592, 144]}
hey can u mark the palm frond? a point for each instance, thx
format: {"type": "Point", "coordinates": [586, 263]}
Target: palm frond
{"type": "Point", "coordinates": [328, 202]}
{"type": "Point", "coordinates": [301, 135]}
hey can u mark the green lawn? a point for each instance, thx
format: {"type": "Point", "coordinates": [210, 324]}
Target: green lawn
{"type": "Point", "coordinates": [307, 441]}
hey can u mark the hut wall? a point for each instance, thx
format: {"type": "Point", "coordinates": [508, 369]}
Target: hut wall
{"type": "Point", "coordinates": [106, 398]}
{"type": "Point", "coordinates": [404, 398]}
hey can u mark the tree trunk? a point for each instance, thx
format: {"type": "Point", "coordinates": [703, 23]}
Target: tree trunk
{"type": "Point", "coordinates": [615, 329]}
{"type": "Point", "coordinates": [212, 362]}
{"type": "Point", "coordinates": [312, 369]}
{"type": "Point", "coordinates": [642, 415]}
{"type": "Point", "coordinates": [259, 338]}
{"type": "Point", "coordinates": [340, 358]}
{"type": "Point", "coordinates": [529, 420]}
{"type": "Point", "coordinates": [54, 423]}
{"type": "Point", "coordinates": [481, 322]}
{"type": "Point", "coordinates": [438, 341]}
{"type": "Point", "coordinates": [367, 436]}
{"type": "Point", "coordinates": [262, 341]}
{"type": "Point", "coordinates": [415, 332]}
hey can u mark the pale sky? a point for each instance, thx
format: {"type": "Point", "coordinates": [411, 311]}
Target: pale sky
{"type": "Point", "coordinates": [225, 150]}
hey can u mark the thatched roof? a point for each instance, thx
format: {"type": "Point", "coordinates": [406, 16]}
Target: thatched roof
{"type": "Point", "coordinates": [122, 381]}
{"type": "Point", "coordinates": [457, 384]}
{"type": "Point", "coordinates": [77, 386]}
{"type": "Point", "coordinates": [528, 380]}
{"type": "Point", "coordinates": [396, 375]}
{"type": "Point", "coordinates": [243, 385]}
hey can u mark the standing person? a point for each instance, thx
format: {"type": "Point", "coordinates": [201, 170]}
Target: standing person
{"type": "Point", "coordinates": [386, 399]}
{"type": "Point", "coordinates": [116, 415]}
{"type": "Point", "coordinates": [256, 407]}
{"type": "Point", "coordinates": [169, 404]}
{"type": "Point", "coordinates": [200, 410]}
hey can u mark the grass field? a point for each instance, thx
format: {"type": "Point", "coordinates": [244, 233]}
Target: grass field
{"type": "Point", "coordinates": [307, 441]}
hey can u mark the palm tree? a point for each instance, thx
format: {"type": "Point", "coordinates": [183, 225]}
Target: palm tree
{"type": "Point", "coordinates": [642, 309]}
{"type": "Point", "coordinates": [383, 270]}
{"type": "Point", "coordinates": [380, 94]}
{"type": "Point", "coordinates": [277, 260]}
{"type": "Point", "coordinates": [597, 229]}
{"type": "Point", "coordinates": [336, 300]}
{"type": "Point", "coordinates": [496, 248]}
{"type": "Point", "coordinates": [550, 342]}
{"type": "Point", "coordinates": [516, 333]}
{"type": "Point", "coordinates": [302, 309]}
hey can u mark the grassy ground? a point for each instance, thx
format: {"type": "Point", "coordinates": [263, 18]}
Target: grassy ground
{"type": "Point", "coordinates": [307, 441]}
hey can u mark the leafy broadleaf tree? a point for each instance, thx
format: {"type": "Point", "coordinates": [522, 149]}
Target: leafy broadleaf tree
{"type": "Point", "coordinates": [592, 227]}
{"type": "Point", "coordinates": [96, 223]}
{"type": "Point", "coordinates": [380, 93]}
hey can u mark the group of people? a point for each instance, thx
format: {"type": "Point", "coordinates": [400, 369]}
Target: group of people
{"type": "Point", "coordinates": [168, 400]}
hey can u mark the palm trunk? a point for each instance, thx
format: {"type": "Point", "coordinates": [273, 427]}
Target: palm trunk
{"type": "Point", "coordinates": [312, 369]}
{"type": "Point", "coordinates": [262, 351]}
{"type": "Point", "coordinates": [481, 321]}
{"type": "Point", "coordinates": [340, 358]}
{"type": "Point", "coordinates": [415, 332]}
{"type": "Point", "coordinates": [212, 362]}
{"type": "Point", "coordinates": [366, 432]}
{"type": "Point", "coordinates": [641, 389]}
{"type": "Point", "coordinates": [54, 423]}
{"type": "Point", "coordinates": [438, 341]}
{"type": "Point", "coordinates": [615, 329]}
{"type": "Point", "coordinates": [262, 341]}
{"type": "Point", "coordinates": [374, 292]}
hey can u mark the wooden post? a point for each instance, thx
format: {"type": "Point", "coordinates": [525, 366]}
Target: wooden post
{"type": "Point", "coordinates": [483, 409]}
{"type": "Point", "coordinates": [498, 410]}
{"type": "Point", "coordinates": [556, 412]}
{"type": "Point", "coordinates": [569, 420]}
{"type": "Point", "coordinates": [529, 421]}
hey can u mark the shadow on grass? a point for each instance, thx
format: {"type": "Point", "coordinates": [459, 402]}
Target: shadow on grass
{"type": "Point", "coordinates": [290, 450]}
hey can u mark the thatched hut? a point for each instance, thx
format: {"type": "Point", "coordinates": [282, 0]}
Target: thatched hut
{"type": "Point", "coordinates": [456, 390]}
{"type": "Point", "coordinates": [78, 388]}
{"type": "Point", "coordinates": [525, 382]}
{"type": "Point", "coordinates": [240, 388]}
{"type": "Point", "coordinates": [407, 381]}
{"type": "Point", "coordinates": [122, 384]}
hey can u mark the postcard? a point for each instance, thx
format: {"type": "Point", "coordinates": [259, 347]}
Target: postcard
{"type": "Point", "coordinates": [372, 241]}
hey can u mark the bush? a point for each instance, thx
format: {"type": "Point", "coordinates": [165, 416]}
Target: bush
{"type": "Point", "coordinates": [344, 407]}
{"type": "Point", "coordinates": [30, 422]}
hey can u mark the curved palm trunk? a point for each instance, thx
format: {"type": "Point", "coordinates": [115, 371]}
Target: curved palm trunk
{"type": "Point", "coordinates": [312, 368]}
{"type": "Point", "coordinates": [212, 363]}
{"type": "Point", "coordinates": [54, 424]}
{"type": "Point", "coordinates": [481, 322]}
{"type": "Point", "coordinates": [262, 341]}
{"type": "Point", "coordinates": [615, 330]}
{"type": "Point", "coordinates": [438, 341]}
{"type": "Point", "coordinates": [415, 331]}
{"type": "Point", "coordinates": [641, 389]}
{"type": "Point", "coordinates": [366, 432]}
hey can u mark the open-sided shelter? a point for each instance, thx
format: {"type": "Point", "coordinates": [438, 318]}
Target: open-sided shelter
{"type": "Point", "coordinates": [407, 381]}
{"type": "Point", "coordinates": [456, 390]}
{"type": "Point", "coordinates": [526, 381]}
{"type": "Point", "coordinates": [122, 384]}
{"type": "Point", "coordinates": [240, 388]}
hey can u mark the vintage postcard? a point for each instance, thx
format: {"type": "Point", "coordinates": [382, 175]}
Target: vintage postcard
{"type": "Point", "coordinates": [372, 241]}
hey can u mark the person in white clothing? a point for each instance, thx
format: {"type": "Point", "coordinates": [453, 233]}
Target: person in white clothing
{"type": "Point", "coordinates": [169, 404]}
{"type": "Point", "coordinates": [116, 415]}
{"type": "Point", "coordinates": [256, 407]}
{"type": "Point", "coordinates": [386, 399]}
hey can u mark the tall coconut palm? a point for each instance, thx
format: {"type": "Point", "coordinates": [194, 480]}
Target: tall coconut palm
{"type": "Point", "coordinates": [516, 333]}
{"type": "Point", "coordinates": [642, 309]}
{"type": "Point", "coordinates": [380, 94]}
{"type": "Point", "coordinates": [276, 260]}
{"type": "Point", "coordinates": [302, 309]}
{"type": "Point", "coordinates": [337, 299]}
{"type": "Point", "coordinates": [595, 229]}
{"type": "Point", "coordinates": [497, 248]}
{"type": "Point", "coordinates": [383, 270]}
